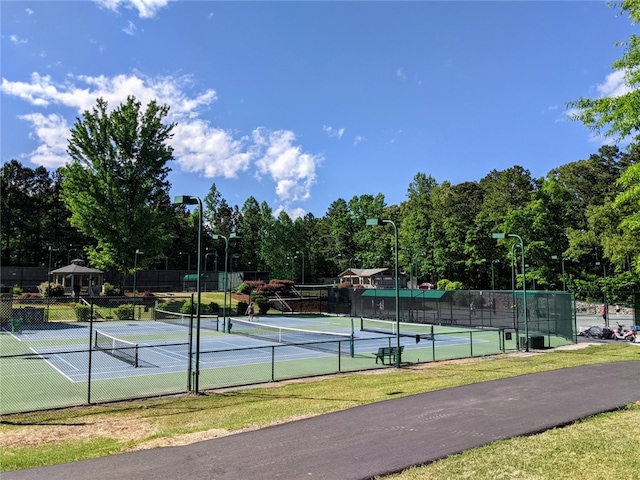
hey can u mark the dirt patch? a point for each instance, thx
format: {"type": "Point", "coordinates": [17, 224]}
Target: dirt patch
{"type": "Point", "coordinates": [121, 428]}
{"type": "Point", "coordinates": [189, 438]}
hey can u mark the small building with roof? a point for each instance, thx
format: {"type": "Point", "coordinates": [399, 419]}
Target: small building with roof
{"type": "Point", "coordinates": [78, 279]}
{"type": "Point", "coordinates": [371, 277]}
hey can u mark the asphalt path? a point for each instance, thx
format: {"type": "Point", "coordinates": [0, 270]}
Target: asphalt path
{"type": "Point", "coordinates": [381, 438]}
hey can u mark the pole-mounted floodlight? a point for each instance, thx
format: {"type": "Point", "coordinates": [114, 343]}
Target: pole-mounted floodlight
{"type": "Point", "coordinates": [302, 253]}
{"type": "Point", "coordinates": [378, 221]}
{"type": "Point", "coordinates": [135, 272]}
{"type": "Point", "coordinates": [189, 200]}
{"type": "Point", "coordinates": [564, 280]}
{"type": "Point", "coordinates": [524, 282]}
{"type": "Point", "coordinates": [188, 260]}
{"type": "Point", "coordinates": [215, 236]}
{"type": "Point", "coordinates": [51, 250]}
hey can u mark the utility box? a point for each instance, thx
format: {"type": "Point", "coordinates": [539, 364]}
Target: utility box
{"type": "Point", "coordinates": [535, 341]}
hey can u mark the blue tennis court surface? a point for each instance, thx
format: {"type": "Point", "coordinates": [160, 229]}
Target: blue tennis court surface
{"type": "Point", "coordinates": [163, 348]}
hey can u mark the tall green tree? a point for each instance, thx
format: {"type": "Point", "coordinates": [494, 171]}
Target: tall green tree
{"type": "Point", "coordinates": [417, 217]}
{"type": "Point", "coordinates": [361, 208]}
{"type": "Point", "coordinates": [250, 228]}
{"type": "Point", "coordinates": [116, 184]}
{"type": "Point", "coordinates": [618, 116]}
{"type": "Point", "coordinates": [33, 218]}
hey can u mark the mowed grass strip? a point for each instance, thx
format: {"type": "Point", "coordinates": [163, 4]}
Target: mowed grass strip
{"type": "Point", "coordinates": [45, 438]}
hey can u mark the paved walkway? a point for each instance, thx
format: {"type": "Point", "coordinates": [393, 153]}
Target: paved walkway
{"type": "Point", "coordinates": [385, 437]}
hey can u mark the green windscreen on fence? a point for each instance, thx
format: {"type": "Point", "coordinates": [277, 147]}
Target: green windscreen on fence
{"type": "Point", "coordinates": [548, 313]}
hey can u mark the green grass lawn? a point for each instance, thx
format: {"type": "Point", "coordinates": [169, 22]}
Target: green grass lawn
{"type": "Point", "coordinates": [591, 449]}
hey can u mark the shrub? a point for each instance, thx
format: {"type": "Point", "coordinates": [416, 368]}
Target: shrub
{"type": "Point", "coordinates": [243, 289]}
{"type": "Point", "coordinates": [110, 290]}
{"type": "Point", "coordinates": [188, 308]}
{"type": "Point", "coordinates": [171, 306]}
{"type": "Point", "coordinates": [283, 285]}
{"type": "Point", "coordinates": [263, 303]}
{"type": "Point", "coordinates": [445, 284]}
{"type": "Point", "coordinates": [16, 290]}
{"type": "Point", "coordinates": [51, 289]}
{"type": "Point", "coordinates": [83, 312]}
{"type": "Point", "coordinates": [255, 285]}
{"type": "Point", "coordinates": [124, 312]}
{"type": "Point", "coordinates": [242, 307]}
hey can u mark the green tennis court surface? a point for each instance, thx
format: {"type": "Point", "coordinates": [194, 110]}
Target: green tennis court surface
{"type": "Point", "coordinates": [61, 364]}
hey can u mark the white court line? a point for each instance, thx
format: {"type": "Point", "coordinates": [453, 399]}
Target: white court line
{"type": "Point", "coordinates": [14, 336]}
{"type": "Point", "coordinates": [53, 366]}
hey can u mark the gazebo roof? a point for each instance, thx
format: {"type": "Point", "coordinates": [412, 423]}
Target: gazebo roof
{"type": "Point", "coordinates": [362, 272]}
{"type": "Point", "coordinates": [77, 269]}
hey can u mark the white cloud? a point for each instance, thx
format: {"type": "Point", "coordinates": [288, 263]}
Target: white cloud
{"type": "Point", "coordinates": [145, 8]}
{"type": "Point", "coordinates": [199, 147]}
{"type": "Point", "coordinates": [292, 212]}
{"type": "Point", "coordinates": [29, 11]}
{"type": "Point", "coordinates": [293, 170]}
{"type": "Point", "coordinates": [400, 74]}
{"type": "Point", "coordinates": [42, 91]}
{"type": "Point", "coordinates": [614, 85]}
{"type": "Point", "coordinates": [17, 40]}
{"type": "Point", "coordinates": [359, 139]}
{"type": "Point", "coordinates": [333, 132]}
{"type": "Point", "coordinates": [52, 131]}
{"type": "Point", "coordinates": [130, 29]}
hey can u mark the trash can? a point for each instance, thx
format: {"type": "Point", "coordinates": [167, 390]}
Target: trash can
{"type": "Point", "coordinates": [16, 324]}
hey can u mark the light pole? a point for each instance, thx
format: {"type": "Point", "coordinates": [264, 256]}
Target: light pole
{"type": "Point", "coordinates": [378, 221]}
{"type": "Point", "coordinates": [410, 250]}
{"type": "Point", "coordinates": [135, 273]}
{"type": "Point", "coordinates": [72, 248]}
{"type": "Point", "coordinates": [292, 267]}
{"type": "Point", "coordinates": [493, 277]}
{"type": "Point", "coordinates": [233, 256]}
{"type": "Point", "coordinates": [188, 261]}
{"type": "Point", "coordinates": [524, 282]}
{"type": "Point", "coordinates": [564, 282]}
{"type": "Point", "coordinates": [189, 200]}
{"type": "Point", "coordinates": [206, 255]}
{"type": "Point", "coordinates": [604, 289]}
{"type": "Point", "coordinates": [51, 249]}
{"type": "Point", "coordinates": [216, 236]}
{"type": "Point", "coordinates": [302, 253]}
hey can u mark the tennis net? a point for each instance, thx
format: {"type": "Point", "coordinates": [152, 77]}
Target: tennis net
{"type": "Point", "coordinates": [390, 328]}
{"type": "Point", "coordinates": [312, 339]}
{"type": "Point", "coordinates": [208, 322]}
{"type": "Point", "coordinates": [116, 347]}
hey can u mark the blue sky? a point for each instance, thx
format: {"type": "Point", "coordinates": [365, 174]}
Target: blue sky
{"type": "Point", "coordinates": [302, 103]}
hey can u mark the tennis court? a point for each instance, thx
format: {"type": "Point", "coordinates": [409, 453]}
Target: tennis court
{"type": "Point", "coordinates": [157, 347]}
{"type": "Point", "coordinates": [73, 363]}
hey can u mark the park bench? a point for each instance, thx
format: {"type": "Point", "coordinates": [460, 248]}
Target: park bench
{"type": "Point", "coordinates": [389, 353]}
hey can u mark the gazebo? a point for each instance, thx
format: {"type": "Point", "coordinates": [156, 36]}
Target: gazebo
{"type": "Point", "coordinates": [77, 279]}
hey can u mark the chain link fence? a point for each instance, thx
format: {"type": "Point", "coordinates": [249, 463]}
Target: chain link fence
{"type": "Point", "coordinates": [57, 352]}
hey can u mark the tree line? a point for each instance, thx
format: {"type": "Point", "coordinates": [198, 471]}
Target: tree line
{"type": "Point", "coordinates": [568, 221]}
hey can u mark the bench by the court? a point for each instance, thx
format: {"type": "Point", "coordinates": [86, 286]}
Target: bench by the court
{"type": "Point", "coordinates": [389, 353]}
